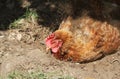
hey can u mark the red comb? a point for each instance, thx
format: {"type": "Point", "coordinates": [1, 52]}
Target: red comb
{"type": "Point", "coordinates": [51, 36]}
{"type": "Point", "coordinates": [49, 39]}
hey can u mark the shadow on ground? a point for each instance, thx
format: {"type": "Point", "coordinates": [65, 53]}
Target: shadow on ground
{"type": "Point", "coordinates": [52, 12]}
{"type": "Point", "coordinates": [10, 10]}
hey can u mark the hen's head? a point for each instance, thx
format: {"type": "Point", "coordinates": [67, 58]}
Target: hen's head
{"type": "Point", "coordinates": [53, 43]}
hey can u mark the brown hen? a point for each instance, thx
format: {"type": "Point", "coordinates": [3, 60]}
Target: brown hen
{"type": "Point", "coordinates": [83, 40]}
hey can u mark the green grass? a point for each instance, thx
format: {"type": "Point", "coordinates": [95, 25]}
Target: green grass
{"type": "Point", "coordinates": [36, 75]}
{"type": "Point", "coordinates": [30, 16]}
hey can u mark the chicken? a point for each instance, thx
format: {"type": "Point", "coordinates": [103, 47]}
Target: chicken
{"type": "Point", "coordinates": [83, 40]}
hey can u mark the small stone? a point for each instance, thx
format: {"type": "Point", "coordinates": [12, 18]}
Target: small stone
{"type": "Point", "coordinates": [19, 36]}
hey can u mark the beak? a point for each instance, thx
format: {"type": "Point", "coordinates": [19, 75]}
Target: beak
{"type": "Point", "coordinates": [47, 49]}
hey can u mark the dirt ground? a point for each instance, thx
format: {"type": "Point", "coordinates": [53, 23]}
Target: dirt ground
{"type": "Point", "coordinates": [30, 56]}
{"type": "Point", "coordinates": [24, 50]}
